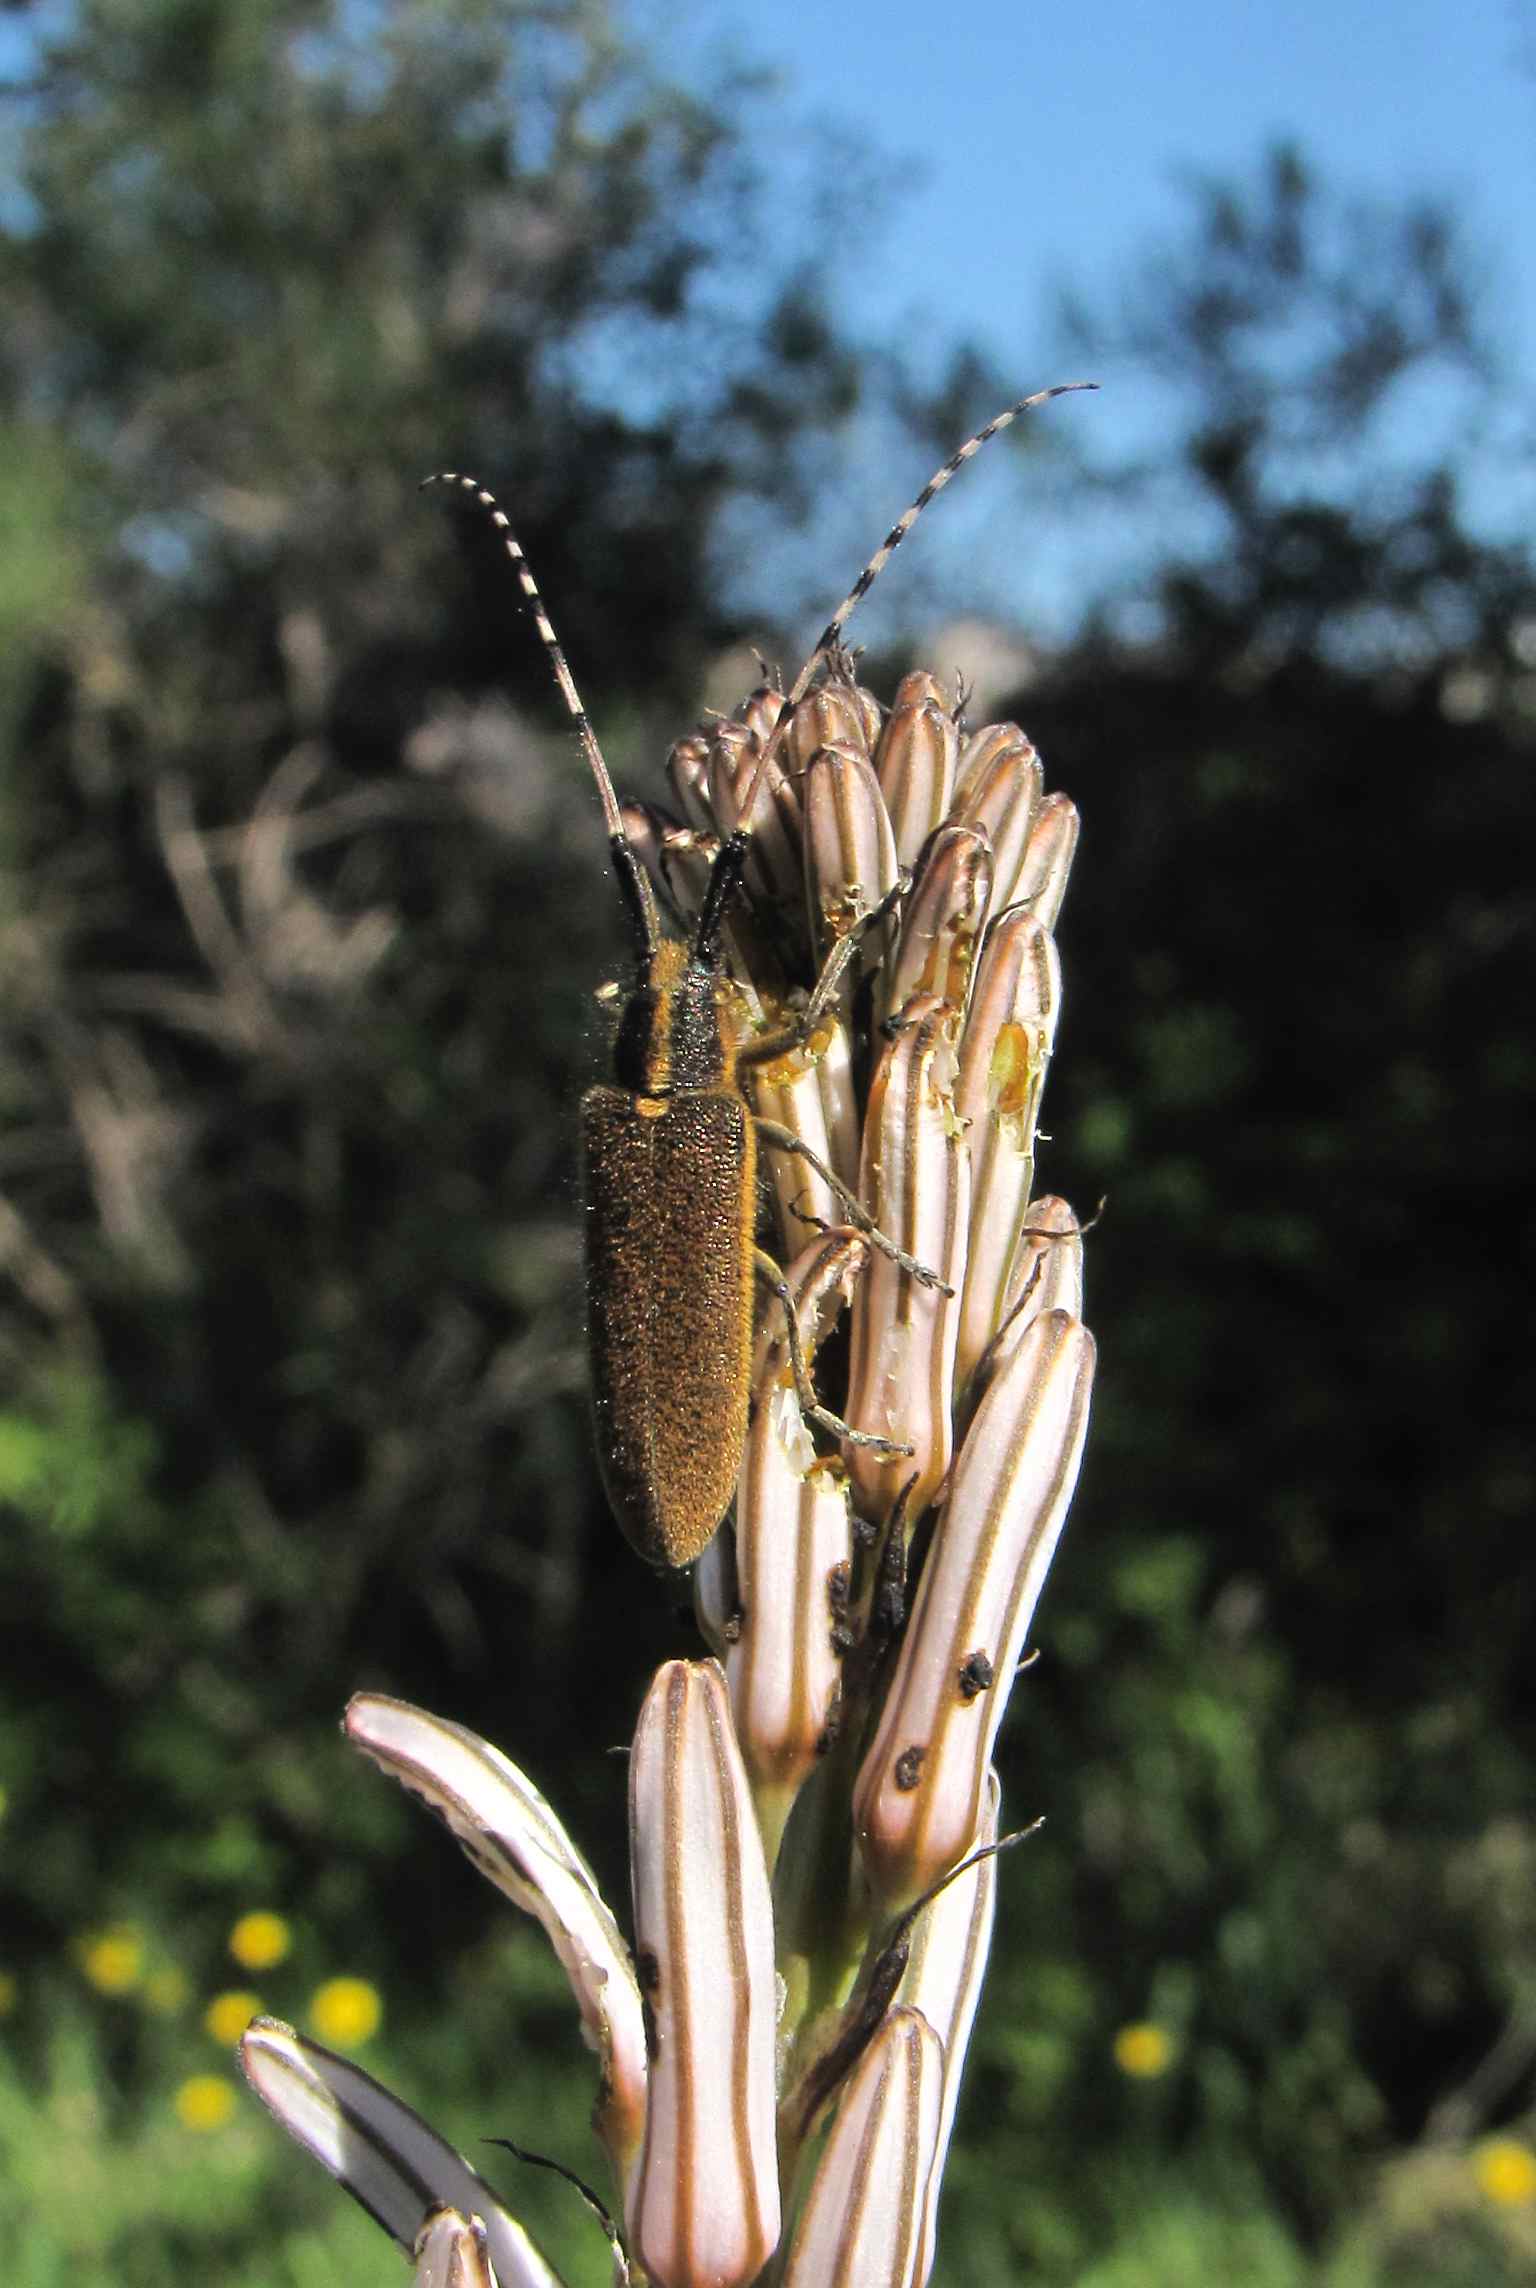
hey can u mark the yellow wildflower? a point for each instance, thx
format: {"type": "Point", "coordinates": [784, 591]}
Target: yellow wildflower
{"type": "Point", "coordinates": [260, 1939]}
{"type": "Point", "coordinates": [113, 1960]}
{"type": "Point", "coordinates": [228, 2015]}
{"type": "Point", "coordinates": [1143, 2050]}
{"type": "Point", "coordinates": [204, 2101]}
{"type": "Point", "coordinates": [345, 2011]}
{"type": "Point", "coordinates": [1505, 2169]}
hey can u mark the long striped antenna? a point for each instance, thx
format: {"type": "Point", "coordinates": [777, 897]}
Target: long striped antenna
{"type": "Point", "coordinates": [831, 634]}
{"type": "Point", "coordinates": [631, 873]}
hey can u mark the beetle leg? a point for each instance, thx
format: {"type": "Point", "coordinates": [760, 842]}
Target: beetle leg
{"type": "Point", "coordinates": [824, 992]}
{"type": "Point", "coordinates": [785, 1140]}
{"type": "Point", "coordinates": [805, 1390]}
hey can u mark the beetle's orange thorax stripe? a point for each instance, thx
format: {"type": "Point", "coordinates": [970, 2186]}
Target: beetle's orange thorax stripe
{"type": "Point", "coordinates": [690, 1042]}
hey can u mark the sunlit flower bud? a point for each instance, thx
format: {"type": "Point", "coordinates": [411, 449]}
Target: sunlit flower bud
{"type": "Point", "coordinates": [378, 2150]}
{"type": "Point", "coordinates": [1047, 1275]}
{"type": "Point", "coordinates": [688, 776]}
{"type": "Point", "coordinates": [1001, 792]}
{"type": "Point", "coordinates": [1004, 1055]}
{"type": "Point", "coordinates": [452, 2252]}
{"type": "Point", "coordinates": [863, 2220]}
{"type": "Point", "coordinates": [737, 768]}
{"type": "Point", "coordinates": [703, 2207]}
{"type": "Point", "coordinates": [1048, 854]}
{"type": "Point", "coordinates": [915, 763]}
{"type": "Point", "coordinates": [794, 1552]}
{"type": "Point", "coordinates": [850, 852]}
{"type": "Point", "coordinates": [810, 1090]}
{"type": "Point", "coordinates": [941, 926]}
{"type": "Point", "coordinates": [760, 711]}
{"type": "Point", "coordinates": [916, 1185]}
{"type": "Point", "coordinates": [917, 1802]}
{"type": "Point", "coordinates": [509, 1831]}
{"type": "Point", "coordinates": [832, 714]}
{"type": "Point", "coordinates": [943, 1980]}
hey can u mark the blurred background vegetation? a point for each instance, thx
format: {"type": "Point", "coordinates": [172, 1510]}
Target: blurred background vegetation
{"type": "Point", "coordinates": [301, 906]}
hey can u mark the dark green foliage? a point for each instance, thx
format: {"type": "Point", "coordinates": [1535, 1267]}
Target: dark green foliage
{"type": "Point", "coordinates": [298, 917]}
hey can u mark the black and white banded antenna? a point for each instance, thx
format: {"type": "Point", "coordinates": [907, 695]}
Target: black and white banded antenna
{"type": "Point", "coordinates": [831, 635]}
{"type": "Point", "coordinates": [631, 872]}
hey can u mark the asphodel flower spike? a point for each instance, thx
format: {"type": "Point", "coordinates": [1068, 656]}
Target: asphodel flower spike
{"type": "Point", "coordinates": [812, 1812]}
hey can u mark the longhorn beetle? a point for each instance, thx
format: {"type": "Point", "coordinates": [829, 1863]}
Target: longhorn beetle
{"type": "Point", "coordinates": [669, 1151]}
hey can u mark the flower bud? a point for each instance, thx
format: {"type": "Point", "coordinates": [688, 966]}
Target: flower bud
{"type": "Point", "coordinates": [916, 1185]}
{"type": "Point", "coordinates": [702, 2209]}
{"type": "Point", "coordinates": [941, 927]}
{"type": "Point", "coordinates": [915, 764]}
{"type": "Point", "coordinates": [850, 852]}
{"type": "Point", "coordinates": [452, 2252]}
{"type": "Point", "coordinates": [917, 1801]}
{"type": "Point", "coordinates": [863, 2220]}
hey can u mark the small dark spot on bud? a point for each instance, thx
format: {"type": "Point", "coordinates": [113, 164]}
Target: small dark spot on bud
{"type": "Point", "coordinates": [648, 2024]}
{"type": "Point", "coordinates": [865, 1532]}
{"type": "Point", "coordinates": [840, 1585]}
{"type": "Point", "coordinates": [976, 1674]}
{"type": "Point", "coordinates": [844, 1639]}
{"type": "Point", "coordinates": [909, 1765]}
{"type": "Point", "coordinates": [733, 1624]}
{"type": "Point", "coordinates": [647, 1971]}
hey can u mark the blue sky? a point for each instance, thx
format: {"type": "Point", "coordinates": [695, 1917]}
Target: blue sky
{"type": "Point", "coordinates": [1017, 151]}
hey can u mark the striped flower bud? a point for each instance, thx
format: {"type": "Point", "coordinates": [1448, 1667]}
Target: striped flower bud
{"type": "Point", "coordinates": [810, 1090]}
{"type": "Point", "coordinates": [794, 1553]}
{"type": "Point", "coordinates": [702, 2209]}
{"type": "Point", "coordinates": [916, 1182]}
{"type": "Point", "coordinates": [999, 790]}
{"type": "Point", "coordinates": [1048, 855]}
{"type": "Point", "coordinates": [833, 713]}
{"type": "Point", "coordinates": [862, 2224]}
{"type": "Point", "coordinates": [1003, 1062]}
{"type": "Point", "coordinates": [850, 851]}
{"type": "Point", "coordinates": [1046, 1275]}
{"type": "Point", "coordinates": [915, 763]}
{"type": "Point", "coordinates": [917, 1802]}
{"type": "Point", "coordinates": [943, 1980]}
{"type": "Point", "coordinates": [941, 927]}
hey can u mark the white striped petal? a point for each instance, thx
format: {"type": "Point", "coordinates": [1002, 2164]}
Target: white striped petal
{"type": "Point", "coordinates": [862, 2226]}
{"type": "Point", "coordinates": [917, 1801]}
{"type": "Point", "coordinates": [703, 2207]}
{"type": "Point", "coordinates": [509, 1831]}
{"type": "Point", "coordinates": [378, 2150]}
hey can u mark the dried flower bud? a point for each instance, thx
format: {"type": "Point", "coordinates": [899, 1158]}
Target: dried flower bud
{"type": "Point", "coordinates": [703, 2207]}
{"type": "Point", "coordinates": [917, 1802]}
{"type": "Point", "coordinates": [863, 2219]}
{"type": "Point", "coordinates": [916, 1184]}
{"type": "Point", "coordinates": [688, 775]}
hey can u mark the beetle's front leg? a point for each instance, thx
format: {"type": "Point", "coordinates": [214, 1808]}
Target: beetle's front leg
{"type": "Point", "coordinates": [785, 1140]}
{"type": "Point", "coordinates": [805, 1390]}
